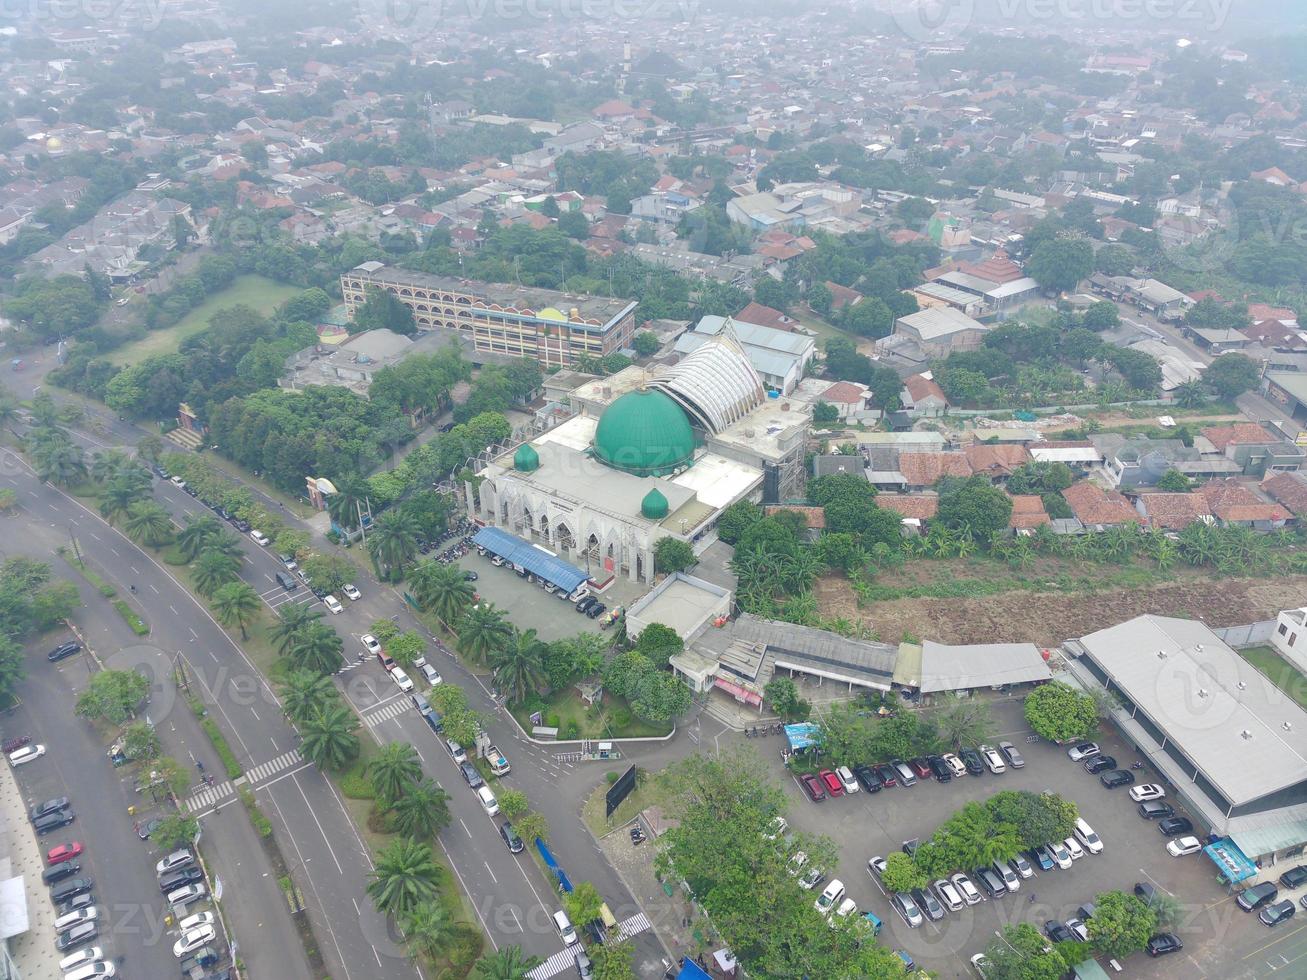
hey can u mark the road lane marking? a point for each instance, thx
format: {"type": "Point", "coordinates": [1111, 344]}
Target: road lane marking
{"type": "Point", "coordinates": [492, 874]}
{"type": "Point", "coordinates": [154, 590]}
{"type": "Point", "coordinates": [325, 839]}
{"type": "Point", "coordinates": [465, 830]}
{"type": "Point", "coordinates": [174, 611]}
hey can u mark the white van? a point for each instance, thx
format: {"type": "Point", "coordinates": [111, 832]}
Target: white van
{"type": "Point", "coordinates": [564, 926]}
{"type": "Point", "coordinates": [488, 800]}
{"type": "Point", "coordinates": [81, 958]}
{"type": "Point", "coordinates": [259, 538]}
{"type": "Point", "coordinates": [1085, 834]}
{"type": "Point", "coordinates": [399, 677]}
{"type": "Point", "coordinates": [93, 971]}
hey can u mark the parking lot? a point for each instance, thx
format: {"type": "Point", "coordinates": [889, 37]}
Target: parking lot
{"type": "Point", "coordinates": [132, 924]}
{"type": "Point", "coordinates": [866, 825]}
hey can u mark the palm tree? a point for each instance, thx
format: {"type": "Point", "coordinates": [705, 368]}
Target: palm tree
{"type": "Point", "coordinates": [422, 812]}
{"type": "Point", "coordinates": [441, 589]}
{"type": "Point", "coordinates": [45, 414]}
{"type": "Point", "coordinates": [104, 465]}
{"type": "Point", "coordinates": [149, 522]}
{"type": "Point", "coordinates": [8, 410]}
{"type": "Point", "coordinates": [213, 570]}
{"type": "Point", "coordinates": [60, 462]}
{"type": "Point", "coordinates": [405, 875]}
{"type": "Point", "coordinates": [429, 928]}
{"type": "Point", "coordinates": [520, 665]}
{"type": "Point", "coordinates": [964, 722]}
{"type": "Point", "coordinates": [483, 631]}
{"type": "Point", "coordinates": [235, 604]}
{"type": "Point", "coordinates": [328, 738]}
{"type": "Point", "coordinates": [1189, 394]}
{"type": "Point", "coordinates": [394, 770]}
{"type": "Point", "coordinates": [305, 693]}
{"type": "Point", "coordinates": [317, 647]}
{"type": "Point", "coordinates": [393, 542]}
{"type": "Point", "coordinates": [507, 963]}
{"type": "Point", "coordinates": [196, 534]}
{"type": "Point", "coordinates": [117, 498]}
{"type": "Point", "coordinates": [350, 498]}
{"type": "Point", "coordinates": [291, 618]}
{"type": "Point", "coordinates": [150, 448]}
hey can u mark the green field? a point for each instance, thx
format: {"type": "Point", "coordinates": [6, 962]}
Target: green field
{"type": "Point", "coordinates": [1279, 671]}
{"type": "Point", "coordinates": [264, 295]}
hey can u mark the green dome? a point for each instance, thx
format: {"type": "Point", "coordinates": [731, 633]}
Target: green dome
{"type": "Point", "coordinates": [526, 458]}
{"type": "Point", "coordinates": [654, 505]}
{"type": "Point", "coordinates": [645, 433]}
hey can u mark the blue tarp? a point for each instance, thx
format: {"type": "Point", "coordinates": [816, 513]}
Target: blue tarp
{"type": "Point", "coordinates": [1231, 861]}
{"type": "Point", "coordinates": [553, 865]}
{"type": "Point", "coordinates": [691, 970]}
{"type": "Point", "coordinates": [539, 563]}
{"type": "Point", "coordinates": [803, 736]}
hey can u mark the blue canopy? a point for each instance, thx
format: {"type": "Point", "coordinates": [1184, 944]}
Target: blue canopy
{"type": "Point", "coordinates": [537, 561]}
{"type": "Point", "coordinates": [803, 736]}
{"type": "Point", "coordinates": [690, 970]}
{"type": "Point", "coordinates": [1234, 864]}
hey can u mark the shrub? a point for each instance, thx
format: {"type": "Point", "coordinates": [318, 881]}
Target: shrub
{"type": "Point", "coordinates": [611, 777]}
{"type": "Point", "coordinates": [261, 823]}
{"type": "Point", "coordinates": [621, 717]}
{"type": "Point", "coordinates": [552, 721]}
{"type": "Point", "coordinates": [137, 624]}
{"type": "Point", "coordinates": [355, 784]}
{"type": "Point", "coordinates": [571, 729]}
{"type": "Point", "coordinates": [220, 746]}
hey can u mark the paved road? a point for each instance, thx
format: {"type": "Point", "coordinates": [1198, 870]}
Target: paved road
{"type": "Point", "coordinates": [318, 839]}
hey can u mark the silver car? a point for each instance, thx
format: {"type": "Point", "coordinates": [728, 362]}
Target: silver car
{"type": "Point", "coordinates": [1012, 755]}
{"type": "Point", "coordinates": [906, 907]}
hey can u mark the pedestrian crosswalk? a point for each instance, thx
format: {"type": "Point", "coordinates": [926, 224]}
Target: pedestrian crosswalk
{"type": "Point", "coordinates": [564, 959]}
{"type": "Point", "coordinates": [207, 797]}
{"type": "Point", "coordinates": [633, 926]}
{"type": "Point", "coordinates": [391, 709]}
{"type": "Point", "coordinates": [284, 761]}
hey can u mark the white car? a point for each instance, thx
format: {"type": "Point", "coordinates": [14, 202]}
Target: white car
{"type": "Point", "coordinates": [830, 897]}
{"type": "Point", "coordinates": [186, 894]}
{"type": "Point", "coordinates": [178, 482]}
{"type": "Point", "coordinates": [81, 958]}
{"type": "Point", "coordinates": [351, 593]}
{"type": "Point", "coordinates": [850, 784]}
{"type": "Point", "coordinates": [333, 604]}
{"type": "Point", "coordinates": [955, 765]}
{"type": "Point", "coordinates": [399, 677]}
{"type": "Point", "coordinates": [875, 866]}
{"type": "Point", "coordinates": [100, 970]}
{"type": "Point", "coordinates": [370, 644]}
{"type": "Point", "coordinates": [1146, 791]}
{"type": "Point", "coordinates": [993, 760]}
{"type": "Point", "coordinates": [963, 884]}
{"type": "Point", "coordinates": [431, 674]}
{"type": "Point", "coordinates": [1022, 867]}
{"type": "Point", "coordinates": [193, 940]}
{"type": "Point", "coordinates": [846, 909]}
{"type": "Point", "coordinates": [1087, 837]}
{"type": "Point", "coordinates": [259, 538]}
{"type": "Point", "coordinates": [948, 896]}
{"type": "Point", "coordinates": [195, 921]}
{"type": "Point", "coordinates": [1183, 845]}
{"type": "Point", "coordinates": [27, 753]}
{"type": "Point", "coordinates": [177, 859]}
{"type": "Point", "coordinates": [980, 963]}
{"type": "Point", "coordinates": [1082, 751]}
{"type": "Point", "coordinates": [1078, 929]}
{"type": "Point", "coordinates": [76, 918]}
{"type": "Point", "coordinates": [1004, 871]}
{"type": "Point", "coordinates": [1061, 856]}
{"type": "Point", "coordinates": [1073, 848]}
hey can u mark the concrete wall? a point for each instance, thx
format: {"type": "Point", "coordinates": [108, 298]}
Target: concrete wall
{"type": "Point", "coordinates": [1249, 635]}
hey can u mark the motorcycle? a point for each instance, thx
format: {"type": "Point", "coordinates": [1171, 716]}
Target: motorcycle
{"type": "Point", "coordinates": [14, 744]}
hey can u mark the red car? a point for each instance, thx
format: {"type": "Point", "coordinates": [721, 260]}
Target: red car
{"type": "Point", "coordinates": [833, 785]}
{"type": "Point", "coordinates": [64, 852]}
{"type": "Point", "coordinates": [816, 792]}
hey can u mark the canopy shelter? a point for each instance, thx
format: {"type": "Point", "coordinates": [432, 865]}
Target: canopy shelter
{"type": "Point", "coordinates": [539, 562]}
{"type": "Point", "coordinates": [803, 736]}
{"type": "Point", "coordinates": [1233, 864]}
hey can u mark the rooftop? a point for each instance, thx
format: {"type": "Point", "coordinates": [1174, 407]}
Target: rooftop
{"type": "Point", "coordinates": [940, 322]}
{"type": "Point", "coordinates": [1093, 505]}
{"type": "Point", "coordinates": [956, 668]}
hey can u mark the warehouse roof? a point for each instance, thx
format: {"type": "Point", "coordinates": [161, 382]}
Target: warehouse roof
{"type": "Point", "coordinates": [974, 665]}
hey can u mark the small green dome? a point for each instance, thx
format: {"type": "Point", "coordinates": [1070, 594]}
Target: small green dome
{"type": "Point", "coordinates": [645, 433]}
{"type": "Point", "coordinates": [654, 505]}
{"type": "Point", "coordinates": [526, 458]}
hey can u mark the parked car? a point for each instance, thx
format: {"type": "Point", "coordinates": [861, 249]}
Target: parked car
{"type": "Point", "coordinates": [1086, 835]}
{"type": "Point", "coordinates": [195, 921]}
{"type": "Point", "coordinates": [1175, 826]}
{"type": "Point", "coordinates": [1057, 932]}
{"type": "Point", "coordinates": [1147, 791]}
{"type": "Point", "coordinates": [1164, 943]}
{"type": "Point", "coordinates": [401, 679]}
{"type": "Point", "coordinates": [1295, 877]}
{"type": "Point", "coordinates": [173, 880]}
{"type": "Point", "coordinates": [193, 940]}
{"type": "Point", "coordinates": [907, 909]}
{"type": "Point", "coordinates": [1099, 763]}
{"type": "Point", "coordinates": [948, 894]}
{"type": "Point", "coordinates": [455, 752]}
{"type": "Point", "coordinates": [1183, 845]}
{"type": "Point", "coordinates": [1255, 896]}
{"type": "Point", "coordinates": [1022, 867]}
{"type": "Point", "coordinates": [1145, 892]}
{"type": "Point", "coordinates": [186, 894]}
{"type": "Point", "coordinates": [955, 765]}
{"type": "Point", "coordinates": [906, 776]}
{"type": "Point", "coordinates": [928, 904]}
{"type": "Point", "coordinates": [1082, 750]}
{"type": "Point", "coordinates": [1061, 856]}
{"type": "Point", "coordinates": [1013, 757]}
{"type": "Point", "coordinates": [431, 675]}
{"type": "Point", "coordinates": [69, 919]}
{"type": "Point", "coordinates": [1078, 929]}
{"type": "Point", "coordinates": [471, 776]}
{"type": "Point", "coordinates": [888, 774]}
{"type": "Point", "coordinates": [63, 650]}
{"type": "Point", "coordinates": [1043, 857]}
{"type": "Point", "coordinates": [1073, 848]}
{"type": "Point", "coordinates": [963, 884]}
{"type": "Point", "coordinates": [171, 862]}
{"type": "Point", "coordinates": [971, 759]}
{"type": "Point", "coordinates": [333, 604]}
{"type": "Point", "coordinates": [53, 821]}
{"type": "Point", "coordinates": [920, 767]}
{"type": "Point", "coordinates": [351, 593]}
{"type": "Point", "coordinates": [813, 786]}
{"type": "Point", "coordinates": [847, 781]}
{"type": "Point", "coordinates": [1009, 877]}
{"type": "Point", "coordinates": [832, 783]}
{"type": "Point", "coordinates": [83, 958]}
{"type": "Point", "coordinates": [993, 761]}
{"type": "Point", "coordinates": [1155, 810]}
{"type": "Point", "coordinates": [259, 538]}
{"type": "Point", "coordinates": [1117, 777]}
{"type": "Point", "coordinates": [65, 890]}
{"type": "Point", "coordinates": [28, 753]}
{"type": "Point", "coordinates": [875, 866]}
{"type": "Point", "coordinates": [77, 936]}
{"type": "Point", "coordinates": [830, 897]}
{"type": "Point", "coordinates": [60, 871]}
{"type": "Point", "coordinates": [1273, 915]}
{"type": "Point", "coordinates": [511, 838]}
{"type": "Point", "coordinates": [82, 901]}
{"type": "Point", "coordinates": [939, 767]}
{"type": "Point", "coordinates": [868, 778]}
{"type": "Point", "coordinates": [991, 882]}
{"type": "Point", "coordinates": [63, 852]}
{"type": "Point", "coordinates": [48, 806]}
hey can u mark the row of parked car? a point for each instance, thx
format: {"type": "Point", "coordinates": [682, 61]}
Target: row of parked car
{"type": "Point", "coordinates": [77, 917]}
{"type": "Point", "coordinates": [942, 768]}
{"type": "Point", "coordinates": [1264, 897]}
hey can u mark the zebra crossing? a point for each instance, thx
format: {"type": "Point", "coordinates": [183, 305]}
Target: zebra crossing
{"type": "Point", "coordinates": [565, 960]}
{"type": "Point", "coordinates": [207, 797]}
{"type": "Point", "coordinates": [392, 709]}
{"type": "Point", "coordinates": [284, 761]}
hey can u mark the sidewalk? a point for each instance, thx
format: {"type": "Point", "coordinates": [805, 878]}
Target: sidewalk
{"type": "Point", "coordinates": [20, 855]}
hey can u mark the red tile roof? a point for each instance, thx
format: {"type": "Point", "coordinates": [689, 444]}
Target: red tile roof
{"type": "Point", "coordinates": [1174, 510]}
{"type": "Point", "coordinates": [920, 387]}
{"type": "Point", "coordinates": [766, 316]}
{"type": "Point", "coordinates": [1093, 505]}
{"type": "Point", "coordinates": [922, 507]}
{"type": "Point", "coordinates": [841, 296]}
{"type": "Point", "coordinates": [814, 517]}
{"type": "Point", "coordinates": [1027, 511]}
{"type": "Point", "coordinates": [923, 469]}
{"type": "Point", "coordinates": [844, 393]}
{"type": "Point", "coordinates": [1245, 433]}
{"type": "Point", "coordinates": [1230, 500]}
{"type": "Point", "coordinates": [1289, 489]}
{"type": "Point", "coordinates": [996, 460]}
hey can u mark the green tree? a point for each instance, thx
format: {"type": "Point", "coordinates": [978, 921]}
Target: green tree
{"type": "Point", "coordinates": [736, 519]}
{"type": "Point", "coordinates": [423, 811]}
{"type": "Point", "coordinates": [1189, 394]}
{"type": "Point", "coordinates": [392, 543]}
{"type": "Point", "coordinates": [783, 695]}
{"type": "Point", "coordinates": [149, 448]}
{"type": "Point", "coordinates": [304, 694]}
{"type": "Point", "coordinates": [1120, 925]}
{"type": "Point", "coordinates": [406, 875]}
{"type": "Point", "coordinates": [582, 903]}
{"type": "Point", "coordinates": [1101, 316]}
{"type": "Point", "coordinates": [659, 643]}
{"type": "Point", "coordinates": [1060, 263]}
{"type": "Point", "coordinates": [395, 768]}
{"type": "Point", "coordinates": [512, 803]}
{"type": "Point", "coordinates": [113, 695]}
{"type": "Point", "coordinates": [824, 414]}
{"type": "Point", "coordinates": [519, 665]}
{"type": "Point", "coordinates": [149, 522]}
{"type": "Point", "coordinates": [328, 739]}
{"type": "Point", "coordinates": [673, 555]}
{"type": "Point", "coordinates": [1037, 817]}
{"type": "Point", "coordinates": [317, 648]}
{"type": "Point", "coordinates": [12, 666]}
{"type": "Point", "coordinates": [1174, 481]}
{"type": "Point", "coordinates": [1022, 953]}
{"type": "Point", "coordinates": [213, 570]}
{"type": "Point", "coordinates": [613, 961]}
{"type": "Point", "coordinates": [236, 604]}
{"type": "Point", "coordinates": [1230, 375]}
{"type": "Point", "coordinates": [483, 631]}
{"type": "Point", "coordinates": [175, 831]}
{"type": "Point", "coordinates": [384, 310]}
{"type": "Point", "coordinates": [441, 589]}
{"type": "Point", "coordinates": [429, 928]}
{"type": "Point", "coordinates": [506, 963]}
{"type": "Point", "coordinates": [62, 463]}
{"type": "Point", "coordinates": [532, 826]}
{"type": "Point", "coordinates": [406, 647]}
{"type": "Point", "coordinates": [964, 721]}
{"type": "Point", "coordinates": [901, 874]}
{"type": "Point", "coordinates": [197, 533]}
{"type": "Point", "coordinates": [646, 343]}
{"type": "Point", "coordinates": [974, 506]}
{"type": "Point", "coordinates": [1059, 713]}
{"type": "Point", "coordinates": [292, 618]}
{"type": "Point", "coordinates": [820, 299]}
{"type": "Point", "coordinates": [140, 741]}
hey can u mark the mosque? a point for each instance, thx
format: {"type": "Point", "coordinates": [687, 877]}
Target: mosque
{"type": "Point", "coordinates": [646, 457]}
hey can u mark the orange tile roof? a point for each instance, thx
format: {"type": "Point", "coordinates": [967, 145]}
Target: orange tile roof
{"type": "Point", "coordinates": [1289, 489]}
{"type": "Point", "coordinates": [919, 506]}
{"type": "Point", "coordinates": [1093, 505]}
{"type": "Point", "coordinates": [844, 393]}
{"type": "Point", "coordinates": [920, 387]}
{"type": "Point", "coordinates": [814, 517]}
{"type": "Point", "coordinates": [996, 460]}
{"type": "Point", "coordinates": [1221, 436]}
{"type": "Point", "coordinates": [1027, 511]}
{"type": "Point", "coordinates": [1230, 500]}
{"type": "Point", "coordinates": [923, 469]}
{"type": "Point", "coordinates": [1174, 510]}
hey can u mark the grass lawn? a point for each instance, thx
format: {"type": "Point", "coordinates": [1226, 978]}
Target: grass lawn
{"type": "Point", "coordinates": [568, 706]}
{"type": "Point", "coordinates": [1279, 671]}
{"type": "Point", "coordinates": [822, 328]}
{"type": "Point", "coordinates": [264, 295]}
{"type": "Point", "coordinates": [647, 793]}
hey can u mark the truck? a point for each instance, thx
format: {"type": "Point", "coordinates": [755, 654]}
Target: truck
{"type": "Point", "coordinates": [498, 762]}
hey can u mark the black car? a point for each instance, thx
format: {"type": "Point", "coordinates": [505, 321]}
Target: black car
{"type": "Point", "coordinates": [1156, 810]}
{"type": "Point", "coordinates": [1098, 763]}
{"type": "Point", "coordinates": [52, 821]}
{"type": "Point", "coordinates": [888, 775]}
{"type": "Point", "coordinates": [1175, 826]}
{"type": "Point", "coordinates": [59, 872]}
{"type": "Point", "coordinates": [511, 838]}
{"type": "Point", "coordinates": [204, 956]}
{"type": "Point", "coordinates": [63, 650]}
{"type": "Point", "coordinates": [597, 610]}
{"type": "Point", "coordinates": [939, 768]}
{"type": "Point", "coordinates": [469, 576]}
{"type": "Point", "coordinates": [77, 902]}
{"type": "Point", "coordinates": [1254, 897]}
{"type": "Point", "coordinates": [49, 806]}
{"type": "Point", "coordinates": [1294, 877]}
{"type": "Point", "coordinates": [971, 759]}
{"type": "Point", "coordinates": [1058, 932]}
{"type": "Point", "coordinates": [1164, 943]}
{"type": "Point", "coordinates": [78, 935]}
{"type": "Point", "coordinates": [1117, 777]}
{"type": "Point", "coordinates": [470, 774]}
{"type": "Point", "coordinates": [584, 603]}
{"type": "Point", "coordinates": [928, 904]}
{"type": "Point", "coordinates": [1145, 892]}
{"type": "Point", "coordinates": [1273, 915]}
{"type": "Point", "coordinates": [868, 779]}
{"type": "Point", "coordinates": [172, 880]}
{"type": "Point", "coordinates": [240, 525]}
{"type": "Point", "coordinates": [65, 890]}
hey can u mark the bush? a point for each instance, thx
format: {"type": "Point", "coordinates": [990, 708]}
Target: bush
{"type": "Point", "coordinates": [552, 721]}
{"type": "Point", "coordinates": [621, 717]}
{"type": "Point", "coordinates": [611, 777]}
{"type": "Point", "coordinates": [137, 624]}
{"type": "Point", "coordinates": [355, 784]}
{"type": "Point", "coordinates": [571, 730]}
{"type": "Point", "coordinates": [261, 823]}
{"type": "Point", "coordinates": [220, 746]}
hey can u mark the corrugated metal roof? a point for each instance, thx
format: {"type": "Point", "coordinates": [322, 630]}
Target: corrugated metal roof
{"type": "Point", "coordinates": [957, 668]}
{"type": "Point", "coordinates": [538, 562]}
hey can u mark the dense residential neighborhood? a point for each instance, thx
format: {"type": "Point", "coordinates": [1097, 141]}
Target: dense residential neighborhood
{"type": "Point", "coordinates": [439, 442]}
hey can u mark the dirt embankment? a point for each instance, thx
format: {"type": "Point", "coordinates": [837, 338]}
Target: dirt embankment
{"type": "Point", "coordinates": [1049, 618]}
